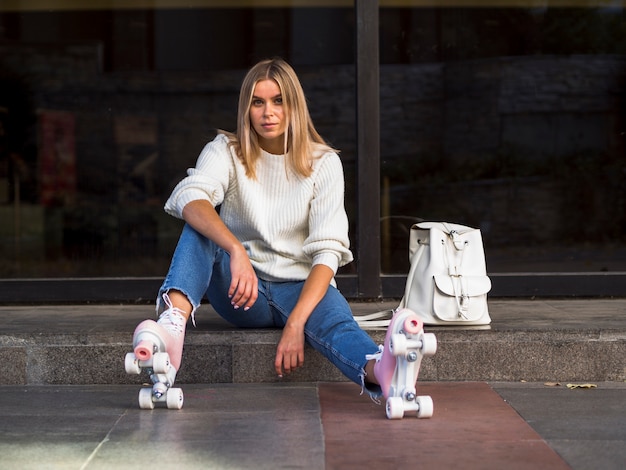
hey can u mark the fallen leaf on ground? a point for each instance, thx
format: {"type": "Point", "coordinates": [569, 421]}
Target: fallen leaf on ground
{"type": "Point", "coordinates": [552, 384]}
{"type": "Point", "coordinates": [571, 386]}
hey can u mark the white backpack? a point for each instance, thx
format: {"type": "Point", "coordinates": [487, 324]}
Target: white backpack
{"type": "Point", "coordinates": [447, 283]}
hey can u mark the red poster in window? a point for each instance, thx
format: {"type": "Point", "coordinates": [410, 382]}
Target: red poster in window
{"type": "Point", "coordinates": [57, 157]}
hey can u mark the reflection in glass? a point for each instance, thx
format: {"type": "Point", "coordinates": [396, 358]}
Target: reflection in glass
{"type": "Point", "coordinates": [103, 110]}
{"type": "Point", "coordinates": [510, 120]}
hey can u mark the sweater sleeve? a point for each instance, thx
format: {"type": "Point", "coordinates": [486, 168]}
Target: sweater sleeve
{"type": "Point", "coordinates": [328, 241]}
{"type": "Point", "coordinates": [208, 180]}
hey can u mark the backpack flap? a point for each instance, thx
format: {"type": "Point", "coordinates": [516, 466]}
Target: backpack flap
{"type": "Point", "coordinates": [460, 298]}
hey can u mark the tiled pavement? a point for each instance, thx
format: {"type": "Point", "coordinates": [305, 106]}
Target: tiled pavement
{"type": "Point", "coordinates": [49, 420]}
{"type": "Point", "coordinates": [328, 425]}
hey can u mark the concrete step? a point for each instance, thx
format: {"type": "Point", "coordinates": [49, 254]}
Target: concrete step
{"type": "Point", "coordinates": [528, 340]}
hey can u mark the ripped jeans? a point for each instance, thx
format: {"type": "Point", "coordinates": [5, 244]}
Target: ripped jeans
{"type": "Point", "coordinates": [200, 268]}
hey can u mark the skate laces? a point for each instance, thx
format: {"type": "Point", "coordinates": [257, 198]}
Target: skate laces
{"type": "Point", "coordinates": [173, 319]}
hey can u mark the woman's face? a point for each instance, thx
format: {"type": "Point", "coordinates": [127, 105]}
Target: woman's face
{"type": "Point", "coordinates": [267, 116]}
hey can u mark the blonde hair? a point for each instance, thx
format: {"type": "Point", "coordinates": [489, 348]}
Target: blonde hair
{"type": "Point", "coordinates": [301, 138]}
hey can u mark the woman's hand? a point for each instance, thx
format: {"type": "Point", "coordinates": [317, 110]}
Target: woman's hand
{"type": "Point", "coordinates": [244, 285]}
{"type": "Point", "coordinates": [290, 350]}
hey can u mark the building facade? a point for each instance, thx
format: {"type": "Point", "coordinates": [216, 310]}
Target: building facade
{"type": "Point", "coordinates": [508, 116]}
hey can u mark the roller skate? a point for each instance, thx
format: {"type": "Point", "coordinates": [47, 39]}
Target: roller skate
{"type": "Point", "coordinates": [398, 363]}
{"type": "Point", "coordinates": [157, 349]}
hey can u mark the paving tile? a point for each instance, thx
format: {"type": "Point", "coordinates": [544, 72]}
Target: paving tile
{"type": "Point", "coordinates": [588, 454]}
{"type": "Point", "coordinates": [559, 412]}
{"type": "Point", "coordinates": [220, 455]}
{"type": "Point", "coordinates": [221, 426]}
{"type": "Point", "coordinates": [585, 426]}
{"type": "Point", "coordinates": [224, 426]}
{"type": "Point", "coordinates": [65, 400]}
{"type": "Point", "coordinates": [38, 455]}
{"type": "Point", "coordinates": [472, 427]}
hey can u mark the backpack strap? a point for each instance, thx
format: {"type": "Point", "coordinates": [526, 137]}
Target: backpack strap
{"type": "Point", "coordinates": [374, 320]}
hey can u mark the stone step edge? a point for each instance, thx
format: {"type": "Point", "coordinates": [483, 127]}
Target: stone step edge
{"type": "Point", "coordinates": [237, 356]}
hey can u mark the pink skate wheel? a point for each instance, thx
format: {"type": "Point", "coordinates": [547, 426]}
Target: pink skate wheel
{"type": "Point", "coordinates": [413, 325]}
{"type": "Point", "coordinates": [143, 350]}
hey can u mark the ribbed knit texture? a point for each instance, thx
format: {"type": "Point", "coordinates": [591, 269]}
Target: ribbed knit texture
{"type": "Point", "coordinates": [286, 222]}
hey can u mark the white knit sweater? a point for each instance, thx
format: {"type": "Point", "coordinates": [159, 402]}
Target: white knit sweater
{"type": "Point", "coordinates": [286, 222]}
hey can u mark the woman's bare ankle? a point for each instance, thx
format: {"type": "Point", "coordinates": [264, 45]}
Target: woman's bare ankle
{"type": "Point", "coordinates": [370, 376]}
{"type": "Point", "coordinates": [180, 301]}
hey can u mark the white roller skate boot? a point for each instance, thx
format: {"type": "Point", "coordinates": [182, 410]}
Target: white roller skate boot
{"type": "Point", "coordinates": [398, 363]}
{"type": "Point", "coordinates": [158, 348]}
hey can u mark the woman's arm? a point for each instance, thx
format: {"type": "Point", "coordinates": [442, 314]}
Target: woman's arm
{"type": "Point", "coordinates": [290, 350]}
{"type": "Point", "coordinates": [202, 216]}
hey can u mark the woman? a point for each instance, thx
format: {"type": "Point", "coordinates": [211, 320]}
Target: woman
{"type": "Point", "coordinates": [269, 258]}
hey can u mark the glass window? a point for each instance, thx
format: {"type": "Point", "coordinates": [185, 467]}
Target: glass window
{"type": "Point", "coordinates": [103, 109]}
{"type": "Point", "coordinates": [503, 115]}
{"type": "Point", "coordinates": [510, 117]}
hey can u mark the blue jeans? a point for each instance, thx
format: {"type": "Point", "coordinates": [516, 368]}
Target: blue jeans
{"type": "Point", "coordinates": [200, 268]}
